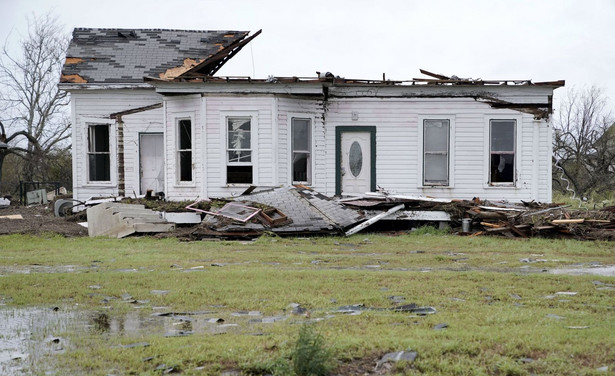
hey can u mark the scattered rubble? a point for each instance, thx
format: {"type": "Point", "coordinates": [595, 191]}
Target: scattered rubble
{"type": "Point", "coordinates": [299, 211]}
{"type": "Point", "coordinates": [394, 357]}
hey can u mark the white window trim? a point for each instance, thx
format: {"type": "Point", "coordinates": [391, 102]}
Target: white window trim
{"type": "Point", "coordinates": [112, 152]}
{"type": "Point", "coordinates": [289, 117]}
{"type": "Point", "coordinates": [487, 151]}
{"type": "Point", "coordinates": [253, 115]}
{"type": "Point", "coordinates": [177, 116]}
{"type": "Point", "coordinates": [451, 151]}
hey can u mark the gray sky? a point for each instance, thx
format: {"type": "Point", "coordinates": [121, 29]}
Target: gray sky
{"type": "Point", "coordinates": [490, 39]}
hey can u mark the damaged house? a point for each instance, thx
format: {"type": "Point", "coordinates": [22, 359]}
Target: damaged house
{"type": "Point", "coordinates": [149, 114]}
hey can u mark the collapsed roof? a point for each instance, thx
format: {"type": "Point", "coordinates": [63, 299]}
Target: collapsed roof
{"type": "Point", "coordinates": [127, 55]}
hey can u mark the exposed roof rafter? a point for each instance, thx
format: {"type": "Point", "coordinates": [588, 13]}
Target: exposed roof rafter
{"type": "Point", "coordinates": [211, 65]}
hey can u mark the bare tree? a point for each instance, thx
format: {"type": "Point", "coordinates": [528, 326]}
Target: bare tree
{"type": "Point", "coordinates": [584, 143]}
{"type": "Point", "coordinates": [32, 108]}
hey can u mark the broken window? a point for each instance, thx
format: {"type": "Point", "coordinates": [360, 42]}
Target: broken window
{"type": "Point", "coordinates": [184, 149]}
{"type": "Point", "coordinates": [239, 150]}
{"type": "Point", "coordinates": [99, 155]}
{"type": "Point", "coordinates": [436, 141]}
{"type": "Point", "coordinates": [301, 150]}
{"type": "Point", "coordinates": [502, 151]}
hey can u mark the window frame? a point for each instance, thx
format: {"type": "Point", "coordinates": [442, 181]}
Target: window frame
{"type": "Point", "coordinates": [309, 151]}
{"type": "Point", "coordinates": [224, 117]}
{"type": "Point", "coordinates": [179, 150]}
{"type": "Point", "coordinates": [518, 120]}
{"type": "Point", "coordinates": [450, 152]}
{"type": "Point", "coordinates": [92, 121]}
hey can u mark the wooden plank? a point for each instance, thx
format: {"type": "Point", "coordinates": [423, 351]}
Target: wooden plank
{"type": "Point", "coordinates": [567, 221]}
{"type": "Point", "coordinates": [12, 216]}
{"type": "Point", "coordinates": [505, 229]}
{"type": "Point", "coordinates": [434, 75]}
{"type": "Point", "coordinates": [373, 220]}
{"type": "Point", "coordinates": [491, 225]}
{"type": "Point", "coordinates": [540, 228]}
{"type": "Point", "coordinates": [500, 209]}
{"type": "Point", "coordinates": [516, 230]}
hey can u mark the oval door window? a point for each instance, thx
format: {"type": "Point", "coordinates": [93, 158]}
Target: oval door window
{"type": "Point", "coordinates": [355, 159]}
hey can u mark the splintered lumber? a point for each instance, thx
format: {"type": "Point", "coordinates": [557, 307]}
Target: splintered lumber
{"type": "Point", "coordinates": [491, 225]}
{"type": "Point", "coordinates": [373, 220]}
{"type": "Point", "coordinates": [497, 208]}
{"type": "Point", "coordinates": [489, 215]}
{"type": "Point", "coordinates": [567, 221]}
{"type": "Point", "coordinates": [516, 230]}
{"type": "Point", "coordinates": [505, 228]}
{"type": "Point", "coordinates": [540, 228]}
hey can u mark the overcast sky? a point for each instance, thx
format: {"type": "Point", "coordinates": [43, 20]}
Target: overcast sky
{"type": "Point", "coordinates": [522, 39]}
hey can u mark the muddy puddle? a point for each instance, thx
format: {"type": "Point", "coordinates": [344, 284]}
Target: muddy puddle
{"type": "Point", "coordinates": [31, 337]}
{"type": "Point", "coordinates": [597, 270]}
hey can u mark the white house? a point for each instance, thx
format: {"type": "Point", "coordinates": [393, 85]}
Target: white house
{"type": "Point", "coordinates": [149, 114]}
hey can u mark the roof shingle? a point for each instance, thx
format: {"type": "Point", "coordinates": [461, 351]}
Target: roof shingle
{"type": "Point", "coordinates": [131, 54]}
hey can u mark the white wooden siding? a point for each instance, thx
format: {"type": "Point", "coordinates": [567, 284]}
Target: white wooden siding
{"type": "Point", "coordinates": [216, 109]}
{"type": "Point", "coordinates": [89, 105]}
{"type": "Point", "coordinates": [397, 141]}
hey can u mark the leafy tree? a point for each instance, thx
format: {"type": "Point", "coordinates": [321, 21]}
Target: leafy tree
{"type": "Point", "coordinates": [584, 144]}
{"type": "Point", "coordinates": [32, 109]}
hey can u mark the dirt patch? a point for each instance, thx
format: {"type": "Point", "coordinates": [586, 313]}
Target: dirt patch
{"type": "Point", "coordinates": [38, 220]}
{"type": "Point", "coordinates": [363, 366]}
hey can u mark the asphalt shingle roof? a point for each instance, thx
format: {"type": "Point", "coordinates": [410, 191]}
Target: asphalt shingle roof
{"type": "Point", "coordinates": [309, 210]}
{"type": "Point", "coordinates": [127, 55]}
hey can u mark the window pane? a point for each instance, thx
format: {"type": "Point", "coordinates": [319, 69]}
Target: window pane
{"type": "Point", "coordinates": [238, 133]}
{"type": "Point", "coordinates": [185, 166]}
{"type": "Point", "coordinates": [436, 169]}
{"type": "Point", "coordinates": [300, 166]}
{"type": "Point", "coordinates": [301, 134]}
{"type": "Point", "coordinates": [435, 134]}
{"type": "Point", "coordinates": [239, 156]}
{"type": "Point", "coordinates": [239, 174]}
{"type": "Point", "coordinates": [185, 135]}
{"type": "Point", "coordinates": [239, 139]}
{"type": "Point", "coordinates": [98, 138]}
{"type": "Point", "coordinates": [355, 159]}
{"type": "Point", "coordinates": [503, 135]}
{"type": "Point", "coordinates": [100, 167]}
{"type": "Point", "coordinates": [502, 168]}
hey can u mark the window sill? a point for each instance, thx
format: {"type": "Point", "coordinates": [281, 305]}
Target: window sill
{"type": "Point", "coordinates": [436, 187]}
{"type": "Point", "coordinates": [94, 184]}
{"type": "Point", "coordinates": [186, 185]}
{"type": "Point", "coordinates": [500, 186]}
{"type": "Point", "coordinates": [238, 185]}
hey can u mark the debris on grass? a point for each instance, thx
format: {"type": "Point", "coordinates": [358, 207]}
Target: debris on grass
{"type": "Point", "coordinates": [302, 211]}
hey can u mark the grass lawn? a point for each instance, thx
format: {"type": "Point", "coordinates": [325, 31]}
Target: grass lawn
{"type": "Point", "coordinates": [147, 306]}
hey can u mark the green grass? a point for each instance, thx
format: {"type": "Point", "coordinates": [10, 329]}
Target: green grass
{"type": "Point", "coordinates": [474, 283]}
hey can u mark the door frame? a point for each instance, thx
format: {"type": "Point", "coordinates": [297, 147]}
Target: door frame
{"type": "Point", "coordinates": [338, 154]}
{"type": "Point", "coordinates": [164, 183]}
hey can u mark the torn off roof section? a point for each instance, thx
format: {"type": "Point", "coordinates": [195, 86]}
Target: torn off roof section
{"type": "Point", "coordinates": [127, 55]}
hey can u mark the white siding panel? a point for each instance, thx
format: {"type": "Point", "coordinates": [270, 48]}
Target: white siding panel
{"type": "Point", "coordinates": [217, 107]}
{"type": "Point", "coordinates": [97, 104]}
{"type": "Point", "coordinates": [397, 141]}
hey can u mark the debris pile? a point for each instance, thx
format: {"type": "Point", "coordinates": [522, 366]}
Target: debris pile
{"type": "Point", "coordinates": [299, 210]}
{"type": "Point", "coordinates": [291, 210]}
{"type": "Point", "coordinates": [547, 220]}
